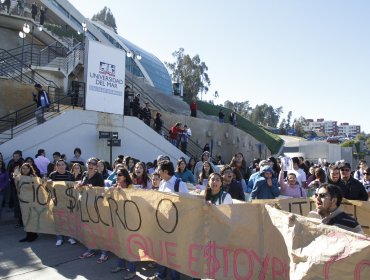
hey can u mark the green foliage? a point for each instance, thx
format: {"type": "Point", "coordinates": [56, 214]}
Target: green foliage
{"type": "Point", "coordinates": [265, 115]}
{"type": "Point", "coordinates": [64, 31]}
{"type": "Point", "coordinates": [272, 141]}
{"type": "Point", "coordinates": [190, 71]}
{"type": "Point", "coordinates": [106, 16]}
{"type": "Point", "coordinates": [347, 143]}
{"type": "Point", "coordinates": [287, 125]}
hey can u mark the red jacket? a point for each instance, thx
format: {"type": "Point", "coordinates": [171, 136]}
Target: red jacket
{"type": "Point", "coordinates": [193, 106]}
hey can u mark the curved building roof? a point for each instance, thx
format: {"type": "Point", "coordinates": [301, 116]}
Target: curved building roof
{"type": "Point", "coordinates": [149, 67]}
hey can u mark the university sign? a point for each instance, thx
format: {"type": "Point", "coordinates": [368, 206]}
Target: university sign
{"type": "Point", "coordinates": [105, 78]}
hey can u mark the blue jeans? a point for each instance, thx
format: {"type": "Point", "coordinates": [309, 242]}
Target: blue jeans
{"type": "Point", "coordinates": [162, 272]}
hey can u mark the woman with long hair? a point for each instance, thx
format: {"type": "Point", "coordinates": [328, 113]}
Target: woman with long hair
{"type": "Point", "coordinates": [140, 176]}
{"type": "Point", "coordinates": [239, 162]}
{"type": "Point", "coordinates": [123, 180]}
{"type": "Point", "coordinates": [204, 174]}
{"type": "Point", "coordinates": [191, 164]}
{"type": "Point", "coordinates": [34, 166]}
{"type": "Point", "coordinates": [25, 170]}
{"type": "Point", "coordinates": [102, 169]}
{"type": "Point", "coordinates": [215, 193]}
{"type": "Point", "coordinates": [76, 171]}
{"type": "Point", "coordinates": [183, 173]}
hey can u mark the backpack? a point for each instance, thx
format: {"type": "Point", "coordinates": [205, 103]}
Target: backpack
{"type": "Point", "coordinates": [177, 185]}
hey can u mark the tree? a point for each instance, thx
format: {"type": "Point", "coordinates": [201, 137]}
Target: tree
{"type": "Point", "coordinates": [287, 126]}
{"type": "Point", "coordinates": [191, 71]}
{"type": "Point", "coordinates": [282, 127]}
{"type": "Point", "coordinates": [265, 115]}
{"type": "Point", "coordinates": [298, 126]}
{"type": "Point", "coordinates": [106, 16]}
{"type": "Point", "coordinates": [228, 104]}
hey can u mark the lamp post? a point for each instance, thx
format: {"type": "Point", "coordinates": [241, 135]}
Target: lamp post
{"type": "Point", "coordinates": [133, 55]}
{"type": "Point", "coordinates": [26, 29]}
{"type": "Point", "coordinates": [22, 35]}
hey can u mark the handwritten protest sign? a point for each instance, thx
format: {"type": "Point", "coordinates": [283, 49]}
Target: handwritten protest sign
{"type": "Point", "coordinates": [241, 241]}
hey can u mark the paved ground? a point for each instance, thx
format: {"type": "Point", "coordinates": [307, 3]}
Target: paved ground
{"type": "Point", "coordinates": [42, 260]}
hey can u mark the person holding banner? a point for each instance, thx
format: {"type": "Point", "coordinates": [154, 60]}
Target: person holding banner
{"type": "Point", "coordinates": [172, 184]}
{"type": "Point", "coordinates": [42, 102]}
{"type": "Point", "coordinates": [92, 178]}
{"type": "Point", "coordinates": [328, 200]}
{"type": "Point", "coordinates": [25, 170]}
{"type": "Point", "coordinates": [215, 193]}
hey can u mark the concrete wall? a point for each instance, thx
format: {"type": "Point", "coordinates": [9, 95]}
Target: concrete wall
{"type": "Point", "coordinates": [227, 140]}
{"type": "Point", "coordinates": [14, 96]}
{"type": "Point", "coordinates": [77, 128]}
{"type": "Point", "coordinates": [312, 151]}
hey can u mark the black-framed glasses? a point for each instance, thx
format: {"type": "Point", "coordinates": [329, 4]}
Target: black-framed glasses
{"type": "Point", "coordinates": [91, 163]}
{"type": "Point", "coordinates": [344, 169]}
{"type": "Point", "coordinates": [321, 195]}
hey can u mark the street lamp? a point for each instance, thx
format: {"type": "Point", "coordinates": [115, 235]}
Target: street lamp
{"type": "Point", "coordinates": [22, 35]}
{"type": "Point", "coordinates": [133, 55]}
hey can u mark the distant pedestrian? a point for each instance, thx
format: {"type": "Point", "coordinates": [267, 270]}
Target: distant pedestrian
{"type": "Point", "coordinates": [158, 123]}
{"type": "Point", "coordinates": [147, 114]}
{"type": "Point", "coordinates": [34, 10]}
{"type": "Point", "coordinates": [221, 116]}
{"type": "Point", "coordinates": [193, 108]}
{"type": "Point", "coordinates": [42, 15]}
{"type": "Point", "coordinates": [42, 101]}
{"type": "Point", "coordinates": [233, 118]}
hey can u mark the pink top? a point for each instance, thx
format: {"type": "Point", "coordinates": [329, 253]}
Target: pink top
{"type": "Point", "coordinates": [290, 190]}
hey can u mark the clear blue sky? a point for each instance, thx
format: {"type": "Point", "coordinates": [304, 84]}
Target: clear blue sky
{"type": "Point", "coordinates": [311, 57]}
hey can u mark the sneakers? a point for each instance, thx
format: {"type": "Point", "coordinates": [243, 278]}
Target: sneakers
{"type": "Point", "coordinates": [72, 241]}
{"type": "Point", "coordinates": [103, 258]}
{"type": "Point", "coordinates": [59, 242]}
{"type": "Point", "coordinates": [129, 275]}
{"type": "Point", "coordinates": [87, 254]}
{"type": "Point", "coordinates": [117, 269]}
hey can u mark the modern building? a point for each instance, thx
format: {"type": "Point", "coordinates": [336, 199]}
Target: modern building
{"type": "Point", "coordinates": [345, 129]}
{"type": "Point", "coordinates": [62, 16]}
{"type": "Point", "coordinates": [331, 128]}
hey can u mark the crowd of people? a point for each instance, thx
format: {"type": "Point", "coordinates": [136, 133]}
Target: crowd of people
{"type": "Point", "coordinates": [219, 184]}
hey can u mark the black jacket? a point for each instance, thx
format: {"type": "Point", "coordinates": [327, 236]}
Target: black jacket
{"type": "Point", "coordinates": [354, 190]}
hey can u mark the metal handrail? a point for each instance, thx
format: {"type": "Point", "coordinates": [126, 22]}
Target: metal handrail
{"type": "Point", "coordinates": [16, 66]}
{"type": "Point", "coordinates": [14, 123]}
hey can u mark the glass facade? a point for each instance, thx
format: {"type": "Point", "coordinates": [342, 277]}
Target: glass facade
{"type": "Point", "coordinates": [154, 68]}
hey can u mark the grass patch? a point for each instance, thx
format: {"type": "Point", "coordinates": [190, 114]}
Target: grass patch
{"type": "Point", "coordinates": [272, 141]}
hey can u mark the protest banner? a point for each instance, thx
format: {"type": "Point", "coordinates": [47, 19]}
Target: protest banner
{"type": "Point", "coordinates": [240, 241]}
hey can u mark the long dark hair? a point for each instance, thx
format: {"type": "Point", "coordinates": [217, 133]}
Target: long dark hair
{"type": "Point", "coordinates": [202, 174]}
{"type": "Point", "coordinates": [125, 173]}
{"type": "Point", "coordinates": [31, 170]}
{"type": "Point", "coordinates": [2, 167]}
{"type": "Point", "coordinates": [145, 177]}
{"type": "Point", "coordinates": [209, 189]}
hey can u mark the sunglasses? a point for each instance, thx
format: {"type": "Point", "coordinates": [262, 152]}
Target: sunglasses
{"type": "Point", "coordinates": [321, 195]}
{"type": "Point", "coordinates": [91, 163]}
{"type": "Point", "coordinates": [119, 174]}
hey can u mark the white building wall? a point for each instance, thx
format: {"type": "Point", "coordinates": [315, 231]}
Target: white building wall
{"type": "Point", "coordinates": [77, 128]}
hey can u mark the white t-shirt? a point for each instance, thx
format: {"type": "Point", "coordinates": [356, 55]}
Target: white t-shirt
{"type": "Point", "coordinates": [227, 200]}
{"type": "Point", "coordinates": [169, 186]}
{"type": "Point", "coordinates": [42, 164]}
{"type": "Point", "coordinates": [301, 178]}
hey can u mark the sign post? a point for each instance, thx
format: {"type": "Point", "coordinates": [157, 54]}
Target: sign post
{"type": "Point", "coordinates": [112, 141]}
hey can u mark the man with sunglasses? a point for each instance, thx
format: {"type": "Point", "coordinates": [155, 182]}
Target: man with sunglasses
{"type": "Point", "coordinates": [351, 188]}
{"type": "Point", "coordinates": [328, 200]}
